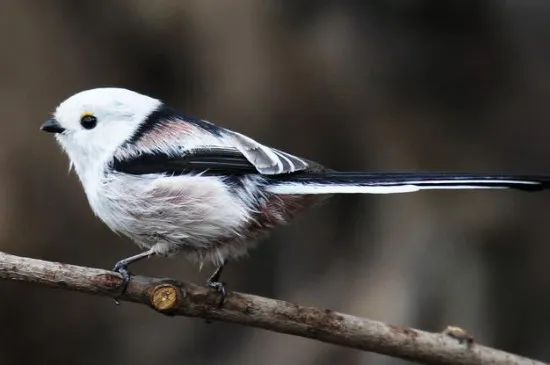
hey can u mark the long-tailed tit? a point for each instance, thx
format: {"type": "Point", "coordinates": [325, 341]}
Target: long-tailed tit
{"type": "Point", "coordinates": [176, 184]}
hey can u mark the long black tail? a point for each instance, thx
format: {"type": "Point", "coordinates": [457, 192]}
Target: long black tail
{"type": "Point", "coordinates": [400, 182]}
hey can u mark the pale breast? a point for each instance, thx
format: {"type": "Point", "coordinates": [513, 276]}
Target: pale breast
{"type": "Point", "coordinates": [192, 211]}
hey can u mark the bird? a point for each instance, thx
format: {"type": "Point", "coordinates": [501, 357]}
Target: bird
{"type": "Point", "coordinates": [176, 184]}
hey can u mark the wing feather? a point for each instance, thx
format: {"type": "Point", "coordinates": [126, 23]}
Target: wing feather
{"type": "Point", "coordinates": [268, 161]}
{"type": "Point", "coordinates": [227, 152]}
{"type": "Point", "coordinates": [207, 161]}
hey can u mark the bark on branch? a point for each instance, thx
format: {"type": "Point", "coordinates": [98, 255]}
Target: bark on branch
{"type": "Point", "coordinates": [173, 297]}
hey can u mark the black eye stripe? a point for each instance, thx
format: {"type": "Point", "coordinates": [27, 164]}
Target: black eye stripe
{"type": "Point", "coordinates": [88, 121]}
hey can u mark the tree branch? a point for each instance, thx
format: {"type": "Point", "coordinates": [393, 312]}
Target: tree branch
{"type": "Point", "coordinates": [184, 299]}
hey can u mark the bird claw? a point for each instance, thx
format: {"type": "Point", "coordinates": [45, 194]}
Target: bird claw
{"type": "Point", "coordinates": [122, 268]}
{"type": "Point", "coordinates": [220, 288]}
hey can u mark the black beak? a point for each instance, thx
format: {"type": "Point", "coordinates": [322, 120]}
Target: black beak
{"type": "Point", "coordinates": [51, 126]}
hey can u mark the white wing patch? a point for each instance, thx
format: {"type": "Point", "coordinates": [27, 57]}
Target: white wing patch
{"type": "Point", "coordinates": [268, 161]}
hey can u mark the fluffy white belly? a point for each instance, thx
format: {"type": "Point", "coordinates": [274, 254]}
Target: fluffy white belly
{"type": "Point", "coordinates": [171, 214]}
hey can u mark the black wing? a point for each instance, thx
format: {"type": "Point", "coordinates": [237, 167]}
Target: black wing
{"type": "Point", "coordinates": [237, 154]}
{"type": "Point", "coordinates": [217, 160]}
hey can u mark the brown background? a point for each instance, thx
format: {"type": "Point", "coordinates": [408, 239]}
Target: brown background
{"type": "Point", "coordinates": [374, 85]}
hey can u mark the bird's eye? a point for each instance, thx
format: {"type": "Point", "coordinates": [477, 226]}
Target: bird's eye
{"type": "Point", "coordinates": [88, 121]}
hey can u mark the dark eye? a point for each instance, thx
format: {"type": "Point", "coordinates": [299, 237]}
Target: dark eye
{"type": "Point", "coordinates": [88, 121]}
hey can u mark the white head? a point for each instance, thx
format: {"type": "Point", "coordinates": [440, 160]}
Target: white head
{"type": "Point", "coordinates": [90, 125]}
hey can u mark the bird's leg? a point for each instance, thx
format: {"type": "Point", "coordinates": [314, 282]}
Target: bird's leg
{"type": "Point", "coordinates": [214, 282]}
{"type": "Point", "coordinates": [121, 267]}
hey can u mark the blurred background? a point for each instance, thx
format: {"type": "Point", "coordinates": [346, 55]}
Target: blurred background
{"type": "Point", "coordinates": [358, 85]}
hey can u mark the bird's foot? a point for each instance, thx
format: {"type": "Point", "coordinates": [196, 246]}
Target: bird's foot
{"type": "Point", "coordinates": [214, 282]}
{"type": "Point", "coordinates": [220, 288]}
{"type": "Point", "coordinates": [121, 267]}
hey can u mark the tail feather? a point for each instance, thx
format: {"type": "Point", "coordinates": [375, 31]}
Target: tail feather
{"type": "Point", "coordinates": [400, 182]}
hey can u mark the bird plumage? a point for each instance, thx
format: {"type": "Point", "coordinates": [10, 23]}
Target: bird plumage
{"type": "Point", "coordinates": [174, 183]}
